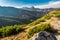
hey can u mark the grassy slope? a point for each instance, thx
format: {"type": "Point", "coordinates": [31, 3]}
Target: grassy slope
{"type": "Point", "coordinates": [55, 13]}
{"type": "Point", "coordinates": [23, 34]}
{"type": "Point", "coordinates": [42, 27]}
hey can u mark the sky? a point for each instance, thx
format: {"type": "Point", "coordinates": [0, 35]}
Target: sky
{"type": "Point", "coordinates": [29, 3]}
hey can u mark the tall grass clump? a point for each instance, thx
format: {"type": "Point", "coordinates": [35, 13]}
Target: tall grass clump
{"type": "Point", "coordinates": [56, 14]}
{"type": "Point", "coordinates": [42, 27]}
{"type": "Point", "coordinates": [43, 19]}
{"type": "Point", "coordinates": [10, 30]}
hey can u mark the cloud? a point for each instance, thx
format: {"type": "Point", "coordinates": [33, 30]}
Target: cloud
{"type": "Point", "coordinates": [50, 5]}
{"type": "Point", "coordinates": [8, 3]}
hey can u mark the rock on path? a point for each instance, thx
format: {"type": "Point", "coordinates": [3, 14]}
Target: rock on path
{"type": "Point", "coordinates": [43, 36]}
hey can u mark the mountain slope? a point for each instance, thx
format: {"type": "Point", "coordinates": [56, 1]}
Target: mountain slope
{"type": "Point", "coordinates": [11, 15]}
{"type": "Point", "coordinates": [49, 18]}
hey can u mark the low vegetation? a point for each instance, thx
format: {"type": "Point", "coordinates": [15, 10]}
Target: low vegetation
{"type": "Point", "coordinates": [43, 19]}
{"type": "Point", "coordinates": [55, 13]}
{"type": "Point", "coordinates": [10, 30]}
{"type": "Point", "coordinates": [42, 27]}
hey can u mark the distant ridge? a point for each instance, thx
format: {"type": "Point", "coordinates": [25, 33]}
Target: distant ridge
{"type": "Point", "coordinates": [12, 15]}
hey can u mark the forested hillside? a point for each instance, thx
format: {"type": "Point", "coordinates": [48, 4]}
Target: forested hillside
{"type": "Point", "coordinates": [12, 16]}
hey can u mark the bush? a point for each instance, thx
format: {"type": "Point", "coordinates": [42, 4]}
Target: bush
{"type": "Point", "coordinates": [46, 17]}
{"type": "Point", "coordinates": [10, 30]}
{"type": "Point", "coordinates": [42, 27]}
{"type": "Point", "coordinates": [43, 19]}
{"type": "Point", "coordinates": [56, 14]}
{"type": "Point", "coordinates": [36, 22]}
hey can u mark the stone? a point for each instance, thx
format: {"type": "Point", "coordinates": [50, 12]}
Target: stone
{"type": "Point", "coordinates": [43, 36]}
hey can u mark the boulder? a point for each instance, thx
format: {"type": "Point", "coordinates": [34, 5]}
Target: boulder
{"type": "Point", "coordinates": [43, 36]}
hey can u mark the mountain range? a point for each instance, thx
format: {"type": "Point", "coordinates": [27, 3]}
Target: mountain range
{"type": "Point", "coordinates": [25, 15]}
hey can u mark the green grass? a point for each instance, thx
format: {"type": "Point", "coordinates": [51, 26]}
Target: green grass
{"type": "Point", "coordinates": [42, 27]}
{"type": "Point", "coordinates": [55, 13]}
{"type": "Point", "coordinates": [43, 19]}
{"type": "Point", "coordinates": [11, 30]}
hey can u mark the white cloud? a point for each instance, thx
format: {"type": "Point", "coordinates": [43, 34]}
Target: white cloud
{"type": "Point", "coordinates": [50, 5]}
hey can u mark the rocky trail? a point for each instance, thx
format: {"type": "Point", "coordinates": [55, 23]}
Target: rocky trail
{"type": "Point", "coordinates": [23, 35]}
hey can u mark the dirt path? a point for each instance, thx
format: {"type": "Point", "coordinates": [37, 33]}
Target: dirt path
{"type": "Point", "coordinates": [23, 35]}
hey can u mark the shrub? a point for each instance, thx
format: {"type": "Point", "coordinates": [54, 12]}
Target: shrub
{"type": "Point", "coordinates": [46, 17]}
{"type": "Point", "coordinates": [43, 19]}
{"type": "Point", "coordinates": [56, 14]}
{"type": "Point", "coordinates": [42, 27]}
{"type": "Point", "coordinates": [36, 22]}
{"type": "Point", "coordinates": [10, 30]}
